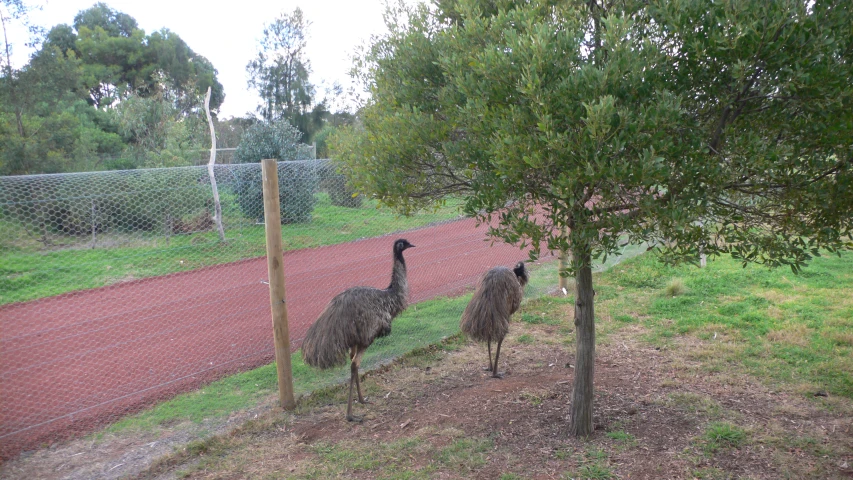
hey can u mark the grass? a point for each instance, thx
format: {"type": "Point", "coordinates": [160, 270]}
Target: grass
{"type": "Point", "coordinates": [594, 471]}
{"type": "Point", "coordinates": [594, 466]}
{"type": "Point", "coordinates": [785, 328]}
{"type": "Point", "coordinates": [29, 272]}
{"type": "Point", "coordinates": [620, 436]}
{"type": "Point", "coordinates": [465, 454]}
{"type": "Point", "coordinates": [721, 435]}
{"type": "Point", "coordinates": [674, 288]}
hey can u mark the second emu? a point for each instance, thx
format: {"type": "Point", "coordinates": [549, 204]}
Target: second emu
{"type": "Point", "coordinates": [353, 320]}
{"type": "Point", "coordinates": [486, 318]}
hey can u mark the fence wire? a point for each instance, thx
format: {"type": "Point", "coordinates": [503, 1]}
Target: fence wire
{"type": "Point", "coordinates": [117, 291]}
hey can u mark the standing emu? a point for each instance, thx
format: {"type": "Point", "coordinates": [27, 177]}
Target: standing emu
{"type": "Point", "coordinates": [486, 318]}
{"type": "Point", "coordinates": [353, 320]}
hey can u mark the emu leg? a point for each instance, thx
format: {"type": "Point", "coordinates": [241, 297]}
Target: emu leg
{"type": "Point", "coordinates": [489, 346]}
{"type": "Point", "coordinates": [353, 377]}
{"type": "Point", "coordinates": [495, 373]}
{"type": "Point", "coordinates": [357, 362]}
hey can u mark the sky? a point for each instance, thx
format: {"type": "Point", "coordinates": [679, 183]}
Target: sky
{"type": "Point", "coordinates": [227, 34]}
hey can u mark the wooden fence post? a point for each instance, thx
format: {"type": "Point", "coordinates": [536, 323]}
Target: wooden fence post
{"type": "Point", "coordinates": [275, 267]}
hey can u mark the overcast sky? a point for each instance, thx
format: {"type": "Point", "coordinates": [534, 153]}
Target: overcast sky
{"type": "Point", "coordinates": [227, 33]}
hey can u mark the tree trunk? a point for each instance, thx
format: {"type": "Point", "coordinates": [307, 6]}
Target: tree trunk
{"type": "Point", "coordinates": [582, 396]}
{"type": "Point", "coordinates": [217, 207]}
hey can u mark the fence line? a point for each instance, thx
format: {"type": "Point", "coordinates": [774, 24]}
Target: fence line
{"type": "Point", "coordinates": [106, 310]}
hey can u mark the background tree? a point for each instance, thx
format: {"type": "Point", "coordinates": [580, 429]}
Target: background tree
{"type": "Point", "coordinates": [578, 126]}
{"type": "Point", "coordinates": [46, 126]}
{"type": "Point", "coordinates": [280, 74]}
{"type": "Point", "coordinates": [231, 130]}
{"type": "Point", "coordinates": [103, 94]}
{"type": "Point", "coordinates": [120, 60]}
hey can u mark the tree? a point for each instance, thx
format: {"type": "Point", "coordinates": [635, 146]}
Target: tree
{"type": "Point", "coordinates": [280, 73]}
{"type": "Point", "coordinates": [146, 91]}
{"type": "Point", "coordinates": [11, 10]}
{"type": "Point", "coordinates": [119, 60]}
{"type": "Point", "coordinates": [576, 126]}
{"type": "Point", "coordinates": [45, 125]}
{"type": "Point", "coordinates": [279, 140]}
{"type": "Point", "coordinates": [231, 130]}
{"type": "Point", "coordinates": [158, 134]}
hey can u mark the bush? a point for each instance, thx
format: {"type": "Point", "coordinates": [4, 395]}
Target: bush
{"type": "Point", "coordinates": [279, 140]}
{"type": "Point", "coordinates": [337, 186]}
{"type": "Point", "coordinates": [297, 180]}
{"type": "Point", "coordinates": [152, 200]}
{"type": "Point", "coordinates": [75, 204]}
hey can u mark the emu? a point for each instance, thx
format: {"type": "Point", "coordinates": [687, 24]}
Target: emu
{"type": "Point", "coordinates": [353, 320]}
{"type": "Point", "coordinates": [486, 318]}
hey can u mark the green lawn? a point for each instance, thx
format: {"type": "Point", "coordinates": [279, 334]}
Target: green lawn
{"type": "Point", "coordinates": [778, 326]}
{"type": "Point", "coordinates": [27, 273]}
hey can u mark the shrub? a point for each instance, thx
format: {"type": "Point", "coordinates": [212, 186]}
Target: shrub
{"type": "Point", "coordinates": [337, 186]}
{"type": "Point", "coordinates": [297, 181]}
{"type": "Point", "coordinates": [75, 204]}
{"type": "Point", "coordinates": [675, 287]}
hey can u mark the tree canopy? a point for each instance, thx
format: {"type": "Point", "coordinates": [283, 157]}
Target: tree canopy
{"type": "Point", "coordinates": [578, 126]}
{"type": "Point", "coordinates": [118, 60]}
{"type": "Point", "coordinates": [99, 88]}
{"type": "Point", "coordinates": [279, 72]}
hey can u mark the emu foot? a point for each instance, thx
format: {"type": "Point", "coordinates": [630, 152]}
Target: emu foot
{"type": "Point", "coordinates": [498, 375]}
{"type": "Point", "coordinates": [355, 418]}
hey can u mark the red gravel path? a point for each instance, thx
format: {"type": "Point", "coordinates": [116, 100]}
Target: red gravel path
{"type": "Point", "coordinates": [73, 362]}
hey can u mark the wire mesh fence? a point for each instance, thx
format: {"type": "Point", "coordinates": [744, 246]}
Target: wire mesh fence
{"type": "Point", "coordinates": [117, 291]}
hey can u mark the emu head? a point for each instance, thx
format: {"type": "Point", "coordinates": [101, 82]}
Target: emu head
{"type": "Point", "coordinates": [520, 271]}
{"type": "Point", "coordinates": [401, 245]}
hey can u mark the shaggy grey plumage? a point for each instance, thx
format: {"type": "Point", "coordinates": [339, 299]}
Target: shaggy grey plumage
{"type": "Point", "coordinates": [498, 296]}
{"type": "Point", "coordinates": [353, 320]}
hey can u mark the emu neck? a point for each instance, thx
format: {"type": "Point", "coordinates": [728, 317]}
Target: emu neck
{"type": "Point", "coordinates": [398, 274]}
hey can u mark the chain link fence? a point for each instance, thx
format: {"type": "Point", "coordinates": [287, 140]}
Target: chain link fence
{"type": "Point", "coordinates": [117, 291]}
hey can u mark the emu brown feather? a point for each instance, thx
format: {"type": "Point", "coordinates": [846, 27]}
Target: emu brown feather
{"type": "Point", "coordinates": [498, 296]}
{"type": "Point", "coordinates": [354, 319]}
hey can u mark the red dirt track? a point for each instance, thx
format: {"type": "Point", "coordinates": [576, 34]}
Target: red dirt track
{"type": "Point", "coordinates": [74, 362]}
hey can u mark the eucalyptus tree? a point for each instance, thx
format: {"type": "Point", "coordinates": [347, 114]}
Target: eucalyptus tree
{"type": "Point", "coordinates": [118, 60]}
{"type": "Point", "coordinates": [580, 125]}
{"type": "Point", "coordinates": [280, 71]}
